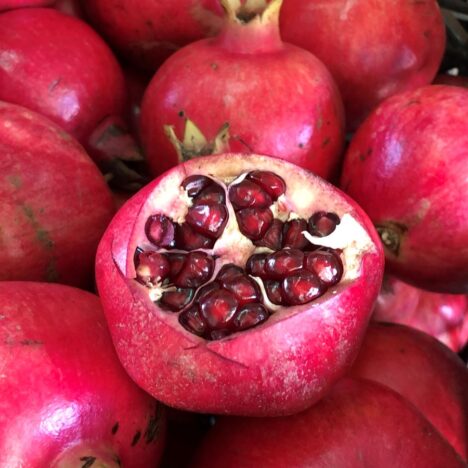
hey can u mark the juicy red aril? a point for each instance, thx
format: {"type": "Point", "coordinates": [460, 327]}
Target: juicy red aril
{"type": "Point", "coordinates": [208, 220]}
{"type": "Point", "coordinates": [194, 184]}
{"type": "Point", "coordinates": [254, 222]}
{"type": "Point", "coordinates": [196, 270]}
{"type": "Point", "coordinates": [283, 263]}
{"type": "Point", "coordinates": [273, 290]}
{"type": "Point", "coordinates": [212, 195]}
{"type": "Point", "coordinates": [218, 307]}
{"type": "Point", "coordinates": [152, 267]}
{"type": "Point", "coordinates": [192, 321]}
{"type": "Point", "coordinates": [273, 237]}
{"type": "Point", "coordinates": [322, 224]}
{"type": "Point", "coordinates": [274, 185]}
{"type": "Point", "coordinates": [176, 261]}
{"type": "Point", "coordinates": [301, 288]}
{"type": "Point", "coordinates": [293, 236]}
{"type": "Point", "coordinates": [159, 230]}
{"type": "Point", "coordinates": [247, 194]}
{"type": "Point", "coordinates": [256, 265]}
{"type": "Point", "coordinates": [176, 300]}
{"type": "Point", "coordinates": [188, 239]}
{"type": "Point", "coordinates": [244, 288]}
{"type": "Point", "coordinates": [250, 315]}
{"type": "Point", "coordinates": [229, 272]}
{"type": "Point", "coordinates": [326, 265]}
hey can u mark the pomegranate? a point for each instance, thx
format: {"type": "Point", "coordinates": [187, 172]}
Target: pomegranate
{"type": "Point", "coordinates": [11, 4]}
{"type": "Point", "coordinates": [444, 316]}
{"type": "Point", "coordinates": [373, 49]}
{"type": "Point", "coordinates": [147, 32]}
{"type": "Point", "coordinates": [452, 80]}
{"type": "Point", "coordinates": [58, 66]}
{"type": "Point", "coordinates": [55, 204]}
{"type": "Point", "coordinates": [66, 400]}
{"type": "Point", "coordinates": [263, 96]}
{"type": "Point", "coordinates": [407, 167]}
{"type": "Point", "coordinates": [238, 284]}
{"type": "Point", "coordinates": [358, 423]}
{"type": "Point", "coordinates": [70, 7]}
{"type": "Point", "coordinates": [423, 371]}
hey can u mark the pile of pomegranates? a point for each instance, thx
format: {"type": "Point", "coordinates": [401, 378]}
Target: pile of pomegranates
{"type": "Point", "coordinates": [233, 233]}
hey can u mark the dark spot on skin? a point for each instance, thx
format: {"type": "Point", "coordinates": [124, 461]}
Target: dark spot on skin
{"type": "Point", "coordinates": [301, 145]}
{"type": "Point", "coordinates": [154, 425]}
{"type": "Point", "coordinates": [214, 66]}
{"type": "Point", "coordinates": [346, 185]}
{"type": "Point", "coordinates": [15, 181]}
{"type": "Point", "coordinates": [326, 142]}
{"type": "Point", "coordinates": [181, 113]}
{"type": "Point", "coordinates": [88, 461]}
{"type": "Point", "coordinates": [364, 156]}
{"type": "Point", "coordinates": [319, 122]}
{"type": "Point", "coordinates": [115, 428]}
{"type": "Point", "coordinates": [53, 84]}
{"type": "Point", "coordinates": [427, 34]}
{"type": "Point", "coordinates": [31, 342]}
{"type": "Point", "coordinates": [136, 438]}
{"type": "Point", "coordinates": [402, 351]}
{"type": "Point", "coordinates": [117, 460]}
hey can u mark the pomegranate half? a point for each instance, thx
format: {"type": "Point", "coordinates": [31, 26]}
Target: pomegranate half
{"type": "Point", "coordinates": [238, 284]}
{"type": "Point", "coordinates": [65, 399]}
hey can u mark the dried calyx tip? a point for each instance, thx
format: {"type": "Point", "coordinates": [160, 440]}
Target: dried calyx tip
{"type": "Point", "coordinates": [245, 12]}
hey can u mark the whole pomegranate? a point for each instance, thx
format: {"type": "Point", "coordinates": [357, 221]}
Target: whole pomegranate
{"type": "Point", "coordinates": [55, 205]}
{"type": "Point", "coordinates": [146, 32]}
{"type": "Point", "coordinates": [374, 49]}
{"type": "Point", "coordinates": [238, 284]}
{"type": "Point", "coordinates": [358, 423]}
{"type": "Point", "coordinates": [57, 65]}
{"type": "Point", "coordinates": [444, 316]}
{"type": "Point", "coordinates": [11, 4]}
{"type": "Point", "coordinates": [243, 91]}
{"type": "Point", "coordinates": [65, 399]}
{"type": "Point", "coordinates": [423, 371]}
{"type": "Point", "coordinates": [406, 166]}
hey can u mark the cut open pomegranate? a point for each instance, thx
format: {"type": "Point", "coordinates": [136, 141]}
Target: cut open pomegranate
{"type": "Point", "coordinates": [239, 266]}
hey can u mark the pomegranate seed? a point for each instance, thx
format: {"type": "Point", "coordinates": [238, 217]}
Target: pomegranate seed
{"type": "Point", "coordinates": [219, 334]}
{"type": "Point", "coordinates": [274, 185]}
{"type": "Point", "coordinates": [159, 230]}
{"type": "Point", "coordinates": [176, 300]}
{"type": "Point", "coordinates": [177, 261]}
{"type": "Point", "coordinates": [322, 224]}
{"type": "Point", "coordinates": [254, 222]}
{"type": "Point", "coordinates": [213, 286]}
{"type": "Point", "coordinates": [256, 265]}
{"type": "Point", "coordinates": [273, 237]}
{"type": "Point", "coordinates": [192, 321]}
{"type": "Point", "coordinates": [188, 239]}
{"type": "Point", "coordinates": [196, 270]}
{"type": "Point", "coordinates": [208, 220]}
{"type": "Point", "coordinates": [326, 265]}
{"type": "Point", "coordinates": [273, 290]}
{"type": "Point", "coordinates": [250, 315]}
{"type": "Point", "coordinates": [293, 236]}
{"type": "Point", "coordinates": [246, 194]}
{"type": "Point", "coordinates": [283, 263]}
{"type": "Point", "coordinates": [218, 307]}
{"type": "Point", "coordinates": [212, 195]}
{"type": "Point", "coordinates": [229, 272]}
{"type": "Point", "coordinates": [194, 184]}
{"type": "Point", "coordinates": [152, 267]}
{"type": "Point", "coordinates": [301, 288]}
{"type": "Point", "coordinates": [244, 288]}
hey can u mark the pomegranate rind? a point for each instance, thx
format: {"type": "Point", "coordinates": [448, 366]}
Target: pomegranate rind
{"type": "Point", "coordinates": [279, 367]}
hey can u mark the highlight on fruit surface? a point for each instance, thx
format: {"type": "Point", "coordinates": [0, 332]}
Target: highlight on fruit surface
{"type": "Point", "coordinates": [238, 284]}
{"type": "Point", "coordinates": [66, 400]}
{"type": "Point", "coordinates": [406, 166]}
{"type": "Point", "coordinates": [11, 4]}
{"type": "Point", "coordinates": [244, 91]}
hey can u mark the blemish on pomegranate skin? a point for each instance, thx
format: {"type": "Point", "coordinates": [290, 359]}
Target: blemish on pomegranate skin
{"type": "Point", "coordinates": [154, 426]}
{"type": "Point", "coordinates": [88, 461]}
{"type": "Point", "coordinates": [115, 428]}
{"type": "Point", "coordinates": [136, 438]}
{"type": "Point", "coordinates": [15, 181]}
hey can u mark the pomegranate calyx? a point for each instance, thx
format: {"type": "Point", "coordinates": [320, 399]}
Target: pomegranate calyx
{"type": "Point", "coordinates": [391, 234]}
{"type": "Point", "coordinates": [194, 142]}
{"type": "Point", "coordinates": [252, 10]}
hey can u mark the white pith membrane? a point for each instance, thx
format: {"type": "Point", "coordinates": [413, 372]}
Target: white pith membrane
{"type": "Point", "coordinates": [301, 200]}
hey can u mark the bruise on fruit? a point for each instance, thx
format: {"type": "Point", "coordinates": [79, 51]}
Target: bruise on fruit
{"type": "Point", "coordinates": [88, 461]}
{"type": "Point", "coordinates": [136, 438]}
{"type": "Point", "coordinates": [115, 428]}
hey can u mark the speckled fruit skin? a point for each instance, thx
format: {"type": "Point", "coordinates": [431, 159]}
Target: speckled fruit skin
{"type": "Point", "coordinates": [277, 99]}
{"type": "Point", "coordinates": [11, 4]}
{"type": "Point", "coordinates": [407, 166]}
{"type": "Point", "coordinates": [443, 316]}
{"type": "Point", "coordinates": [63, 393]}
{"type": "Point", "coordinates": [423, 371]}
{"type": "Point", "coordinates": [55, 205]}
{"type": "Point", "coordinates": [380, 48]}
{"type": "Point", "coordinates": [358, 423]}
{"type": "Point", "coordinates": [146, 31]}
{"type": "Point", "coordinates": [279, 367]}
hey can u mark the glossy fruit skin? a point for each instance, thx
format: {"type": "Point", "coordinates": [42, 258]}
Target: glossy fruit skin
{"type": "Point", "coordinates": [147, 32]}
{"type": "Point", "coordinates": [423, 371]}
{"type": "Point", "coordinates": [277, 99]}
{"type": "Point", "coordinates": [64, 394]}
{"type": "Point", "coordinates": [279, 367]}
{"type": "Point", "coordinates": [358, 423]}
{"type": "Point", "coordinates": [443, 316]}
{"type": "Point", "coordinates": [55, 203]}
{"type": "Point", "coordinates": [11, 4]}
{"type": "Point", "coordinates": [379, 49]}
{"type": "Point", "coordinates": [406, 166]}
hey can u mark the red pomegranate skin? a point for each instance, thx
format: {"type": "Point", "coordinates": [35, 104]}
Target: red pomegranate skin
{"type": "Point", "coordinates": [443, 316]}
{"type": "Point", "coordinates": [380, 48]}
{"type": "Point", "coordinates": [57, 65]}
{"type": "Point", "coordinates": [55, 203]}
{"type": "Point", "coordinates": [279, 367]}
{"type": "Point", "coordinates": [147, 32]}
{"type": "Point", "coordinates": [406, 166]}
{"type": "Point", "coordinates": [423, 371]}
{"type": "Point", "coordinates": [64, 396]}
{"type": "Point", "coordinates": [11, 4]}
{"type": "Point", "coordinates": [70, 7]}
{"type": "Point", "coordinates": [358, 423]}
{"type": "Point", "coordinates": [278, 99]}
